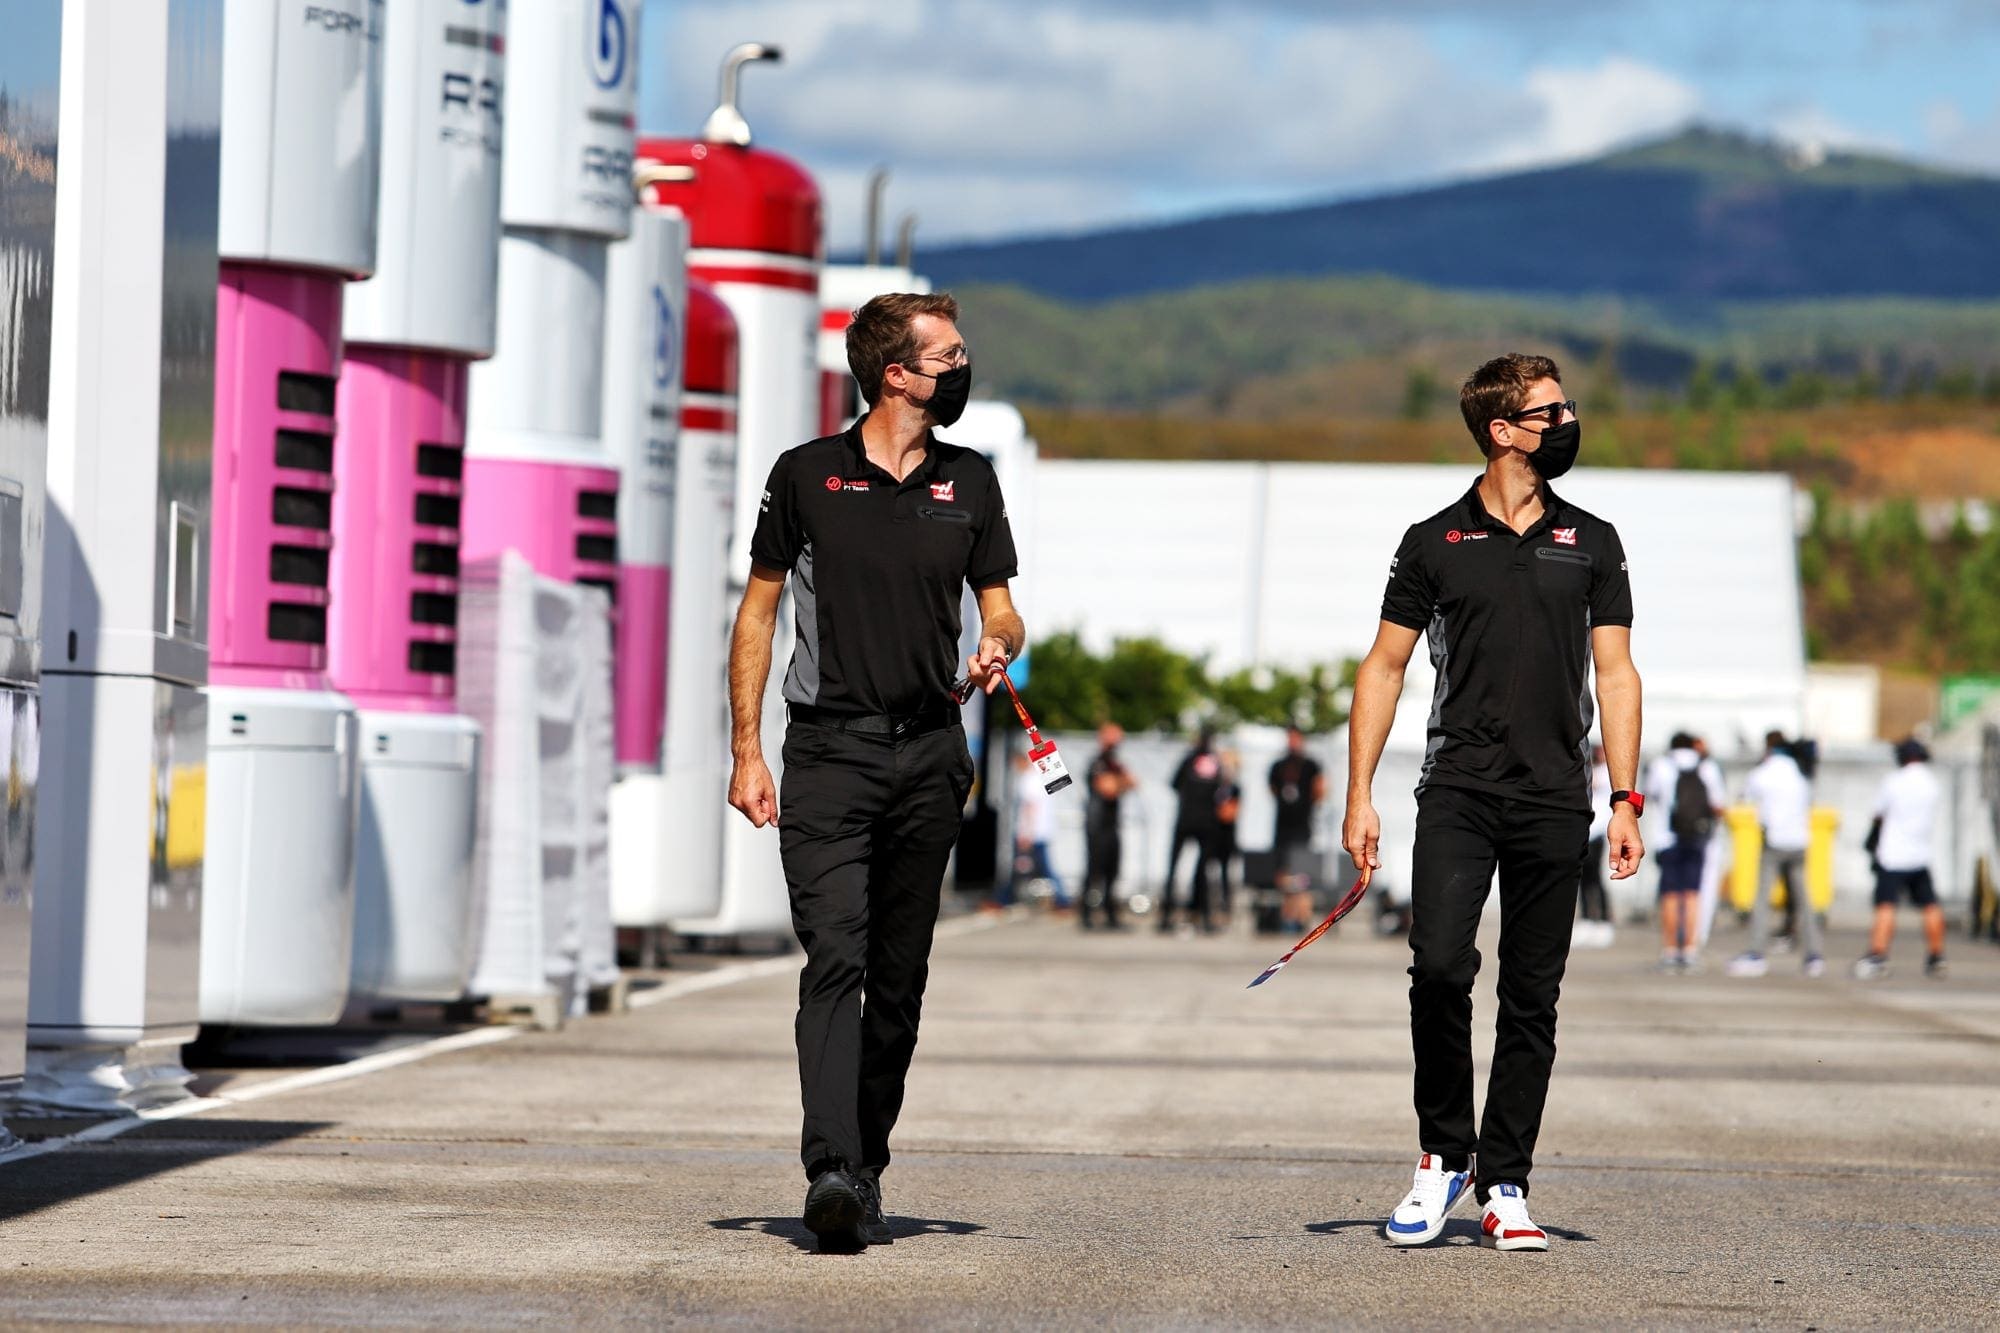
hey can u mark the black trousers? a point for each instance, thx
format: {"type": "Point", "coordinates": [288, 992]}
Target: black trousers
{"type": "Point", "coordinates": [1462, 836]}
{"type": "Point", "coordinates": [865, 826]}
{"type": "Point", "coordinates": [1591, 895]}
{"type": "Point", "coordinates": [1104, 851]}
{"type": "Point", "coordinates": [1222, 850]}
{"type": "Point", "coordinates": [1202, 836]}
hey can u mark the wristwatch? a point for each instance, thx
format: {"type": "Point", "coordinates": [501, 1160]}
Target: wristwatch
{"type": "Point", "coordinates": [1631, 798]}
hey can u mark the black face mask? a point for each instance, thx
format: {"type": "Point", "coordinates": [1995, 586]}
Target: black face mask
{"type": "Point", "coordinates": [948, 398]}
{"type": "Point", "coordinates": [1558, 452]}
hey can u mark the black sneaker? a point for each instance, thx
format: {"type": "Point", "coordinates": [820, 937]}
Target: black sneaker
{"type": "Point", "coordinates": [1936, 968]}
{"type": "Point", "coordinates": [873, 1225]}
{"type": "Point", "coordinates": [836, 1211]}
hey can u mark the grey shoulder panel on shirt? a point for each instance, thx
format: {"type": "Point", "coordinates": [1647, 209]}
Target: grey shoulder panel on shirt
{"type": "Point", "coordinates": [802, 679]}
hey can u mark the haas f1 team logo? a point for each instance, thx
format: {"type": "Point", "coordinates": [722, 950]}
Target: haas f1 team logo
{"type": "Point", "coordinates": [942, 491]}
{"type": "Point", "coordinates": [1565, 536]}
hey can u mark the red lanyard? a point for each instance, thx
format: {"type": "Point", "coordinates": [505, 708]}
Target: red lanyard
{"type": "Point", "coordinates": [1340, 909]}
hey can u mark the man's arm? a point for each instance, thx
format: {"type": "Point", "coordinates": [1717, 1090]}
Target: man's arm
{"type": "Point", "coordinates": [1378, 684]}
{"type": "Point", "coordinates": [1618, 708]}
{"type": "Point", "coordinates": [750, 786]}
{"type": "Point", "coordinates": [1001, 636]}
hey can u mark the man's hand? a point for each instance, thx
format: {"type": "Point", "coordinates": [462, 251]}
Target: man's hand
{"type": "Point", "coordinates": [750, 790]}
{"type": "Point", "coordinates": [1623, 841]}
{"type": "Point", "coordinates": [1361, 835]}
{"type": "Point", "coordinates": [986, 666]}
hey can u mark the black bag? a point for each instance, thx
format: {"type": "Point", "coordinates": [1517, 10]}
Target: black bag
{"type": "Point", "coordinates": [1692, 818]}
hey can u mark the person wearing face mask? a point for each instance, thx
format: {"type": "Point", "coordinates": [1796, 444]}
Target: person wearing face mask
{"type": "Point", "coordinates": [880, 528]}
{"type": "Point", "coordinates": [1520, 593]}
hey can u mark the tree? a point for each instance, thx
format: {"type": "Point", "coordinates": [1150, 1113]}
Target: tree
{"type": "Point", "coordinates": [1420, 389]}
{"type": "Point", "coordinates": [1314, 700]}
{"type": "Point", "coordinates": [1701, 387]}
{"type": "Point", "coordinates": [1149, 686]}
{"type": "Point", "coordinates": [1725, 445]}
{"type": "Point", "coordinates": [1957, 385]}
{"type": "Point", "coordinates": [1746, 391]}
{"type": "Point", "coordinates": [1607, 390]}
{"type": "Point", "coordinates": [1790, 451]}
{"type": "Point", "coordinates": [1805, 387]}
{"type": "Point", "coordinates": [1068, 684]}
{"type": "Point", "coordinates": [1144, 685]}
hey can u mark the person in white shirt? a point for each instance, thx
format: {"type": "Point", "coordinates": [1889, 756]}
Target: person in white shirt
{"type": "Point", "coordinates": [1034, 829]}
{"type": "Point", "coordinates": [1594, 929]}
{"type": "Point", "coordinates": [1900, 841]}
{"type": "Point", "coordinates": [1688, 812]}
{"type": "Point", "coordinates": [1783, 797]}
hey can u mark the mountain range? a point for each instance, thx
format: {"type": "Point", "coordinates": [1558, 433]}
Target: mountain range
{"type": "Point", "coordinates": [1703, 216]}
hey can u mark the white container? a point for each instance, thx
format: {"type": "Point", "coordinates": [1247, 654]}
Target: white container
{"type": "Point", "coordinates": [418, 826]}
{"type": "Point", "coordinates": [119, 831]}
{"type": "Point", "coordinates": [277, 931]}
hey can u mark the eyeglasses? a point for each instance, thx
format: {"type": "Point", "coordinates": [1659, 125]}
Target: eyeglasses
{"type": "Point", "coordinates": [1550, 413]}
{"type": "Point", "coordinates": [953, 358]}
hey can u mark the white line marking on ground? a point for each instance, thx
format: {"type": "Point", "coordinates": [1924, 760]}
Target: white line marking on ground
{"type": "Point", "coordinates": [369, 1064]}
{"type": "Point", "coordinates": [727, 975]}
{"type": "Point", "coordinates": [730, 974]}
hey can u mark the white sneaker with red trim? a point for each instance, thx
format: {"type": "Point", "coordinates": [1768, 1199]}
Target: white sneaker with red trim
{"type": "Point", "coordinates": [1419, 1218]}
{"type": "Point", "coordinates": [1507, 1225]}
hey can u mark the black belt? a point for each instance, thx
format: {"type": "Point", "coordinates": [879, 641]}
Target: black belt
{"type": "Point", "coordinates": [894, 725]}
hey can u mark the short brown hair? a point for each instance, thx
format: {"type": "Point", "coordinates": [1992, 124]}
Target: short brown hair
{"type": "Point", "coordinates": [881, 336]}
{"type": "Point", "coordinates": [1499, 389]}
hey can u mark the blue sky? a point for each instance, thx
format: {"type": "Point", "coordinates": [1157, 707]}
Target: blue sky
{"type": "Point", "coordinates": [1008, 116]}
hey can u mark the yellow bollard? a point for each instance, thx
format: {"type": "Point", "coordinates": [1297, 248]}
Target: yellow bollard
{"type": "Point", "coordinates": [1819, 857]}
{"type": "Point", "coordinates": [1748, 839]}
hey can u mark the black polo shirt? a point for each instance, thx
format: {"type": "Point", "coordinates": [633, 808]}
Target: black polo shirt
{"type": "Point", "coordinates": [879, 568]}
{"type": "Point", "coordinates": [1509, 621]}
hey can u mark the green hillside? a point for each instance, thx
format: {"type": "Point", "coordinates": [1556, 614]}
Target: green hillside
{"type": "Point", "coordinates": [1207, 350]}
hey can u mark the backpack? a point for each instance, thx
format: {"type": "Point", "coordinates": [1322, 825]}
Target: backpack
{"type": "Point", "coordinates": [1692, 818]}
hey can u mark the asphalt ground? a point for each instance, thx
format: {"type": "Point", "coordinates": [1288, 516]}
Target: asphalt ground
{"type": "Point", "coordinates": [1103, 1131]}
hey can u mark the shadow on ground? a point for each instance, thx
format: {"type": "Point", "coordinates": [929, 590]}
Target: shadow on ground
{"type": "Point", "coordinates": [1458, 1231]}
{"type": "Point", "coordinates": [793, 1231]}
{"type": "Point", "coordinates": [80, 1170]}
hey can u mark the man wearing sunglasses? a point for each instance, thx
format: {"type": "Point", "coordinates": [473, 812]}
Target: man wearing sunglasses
{"type": "Point", "coordinates": [880, 529]}
{"type": "Point", "coordinates": [1519, 592]}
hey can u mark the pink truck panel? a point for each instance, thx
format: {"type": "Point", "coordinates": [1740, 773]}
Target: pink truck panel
{"type": "Point", "coordinates": [278, 357]}
{"type": "Point", "coordinates": [397, 516]}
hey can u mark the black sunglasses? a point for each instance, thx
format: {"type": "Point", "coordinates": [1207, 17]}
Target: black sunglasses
{"type": "Point", "coordinates": [1550, 413]}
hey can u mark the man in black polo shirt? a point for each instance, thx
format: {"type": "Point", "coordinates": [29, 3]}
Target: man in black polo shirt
{"type": "Point", "coordinates": [880, 528]}
{"type": "Point", "coordinates": [1518, 591]}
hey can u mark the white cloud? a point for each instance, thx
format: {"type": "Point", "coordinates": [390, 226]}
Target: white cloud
{"type": "Point", "coordinates": [1033, 115]}
{"type": "Point", "coordinates": [1953, 137]}
{"type": "Point", "coordinates": [1585, 110]}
